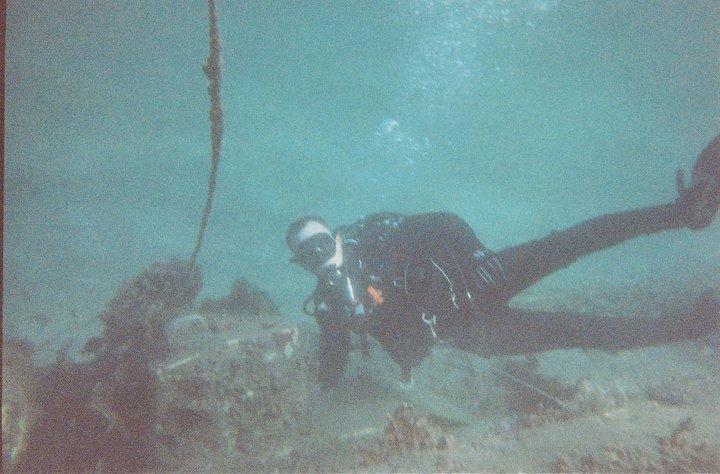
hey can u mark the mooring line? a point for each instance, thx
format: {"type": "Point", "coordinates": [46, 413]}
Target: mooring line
{"type": "Point", "coordinates": [211, 68]}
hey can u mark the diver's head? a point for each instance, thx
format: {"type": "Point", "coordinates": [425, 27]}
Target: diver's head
{"type": "Point", "coordinates": [313, 246]}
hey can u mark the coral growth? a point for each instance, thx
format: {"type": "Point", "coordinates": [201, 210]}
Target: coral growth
{"type": "Point", "coordinates": [71, 434]}
{"type": "Point", "coordinates": [99, 414]}
{"type": "Point", "coordinates": [243, 401]}
{"type": "Point", "coordinates": [673, 454]}
{"type": "Point", "coordinates": [407, 432]}
{"type": "Point", "coordinates": [148, 402]}
{"type": "Point", "coordinates": [102, 414]}
{"type": "Point", "coordinates": [136, 316]}
{"type": "Point", "coordinates": [243, 298]}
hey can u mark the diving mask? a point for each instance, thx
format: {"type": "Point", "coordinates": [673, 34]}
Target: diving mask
{"type": "Point", "coordinates": [314, 251]}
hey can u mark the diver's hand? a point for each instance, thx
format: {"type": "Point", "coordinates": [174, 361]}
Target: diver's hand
{"type": "Point", "coordinates": [699, 202]}
{"type": "Point", "coordinates": [406, 380]}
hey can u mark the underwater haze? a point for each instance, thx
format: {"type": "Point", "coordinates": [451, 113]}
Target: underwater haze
{"type": "Point", "coordinates": [523, 117]}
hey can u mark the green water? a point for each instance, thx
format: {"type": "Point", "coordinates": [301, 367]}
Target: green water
{"type": "Point", "coordinates": [521, 116]}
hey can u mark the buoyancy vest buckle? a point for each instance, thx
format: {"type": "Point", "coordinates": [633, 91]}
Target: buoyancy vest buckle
{"type": "Point", "coordinates": [431, 322]}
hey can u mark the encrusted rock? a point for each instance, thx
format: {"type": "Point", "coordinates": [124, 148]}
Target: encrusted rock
{"type": "Point", "coordinates": [245, 397]}
{"type": "Point", "coordinates": [408, 431]}
{"type": "Point", "coordinates": [673, 454]}
{"type": "Point", "coordinates": [18, 411]}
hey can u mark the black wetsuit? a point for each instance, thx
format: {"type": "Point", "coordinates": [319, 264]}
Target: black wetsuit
{"type": "Point", "coordinates": [426, 277]}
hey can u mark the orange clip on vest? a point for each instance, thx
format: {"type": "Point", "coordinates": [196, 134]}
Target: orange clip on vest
{"type": "Point", "coordinates": [375, 295]}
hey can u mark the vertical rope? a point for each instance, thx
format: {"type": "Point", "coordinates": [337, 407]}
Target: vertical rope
{"type": "Point", "coordinates": [211, 68]}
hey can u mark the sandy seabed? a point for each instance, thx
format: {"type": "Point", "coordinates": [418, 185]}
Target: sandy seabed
{"type": "Point", "coordinates": [237, 392]}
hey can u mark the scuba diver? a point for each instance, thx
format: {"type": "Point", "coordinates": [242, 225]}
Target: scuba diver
{"type": "Point", "coordinates": [411, 281]}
